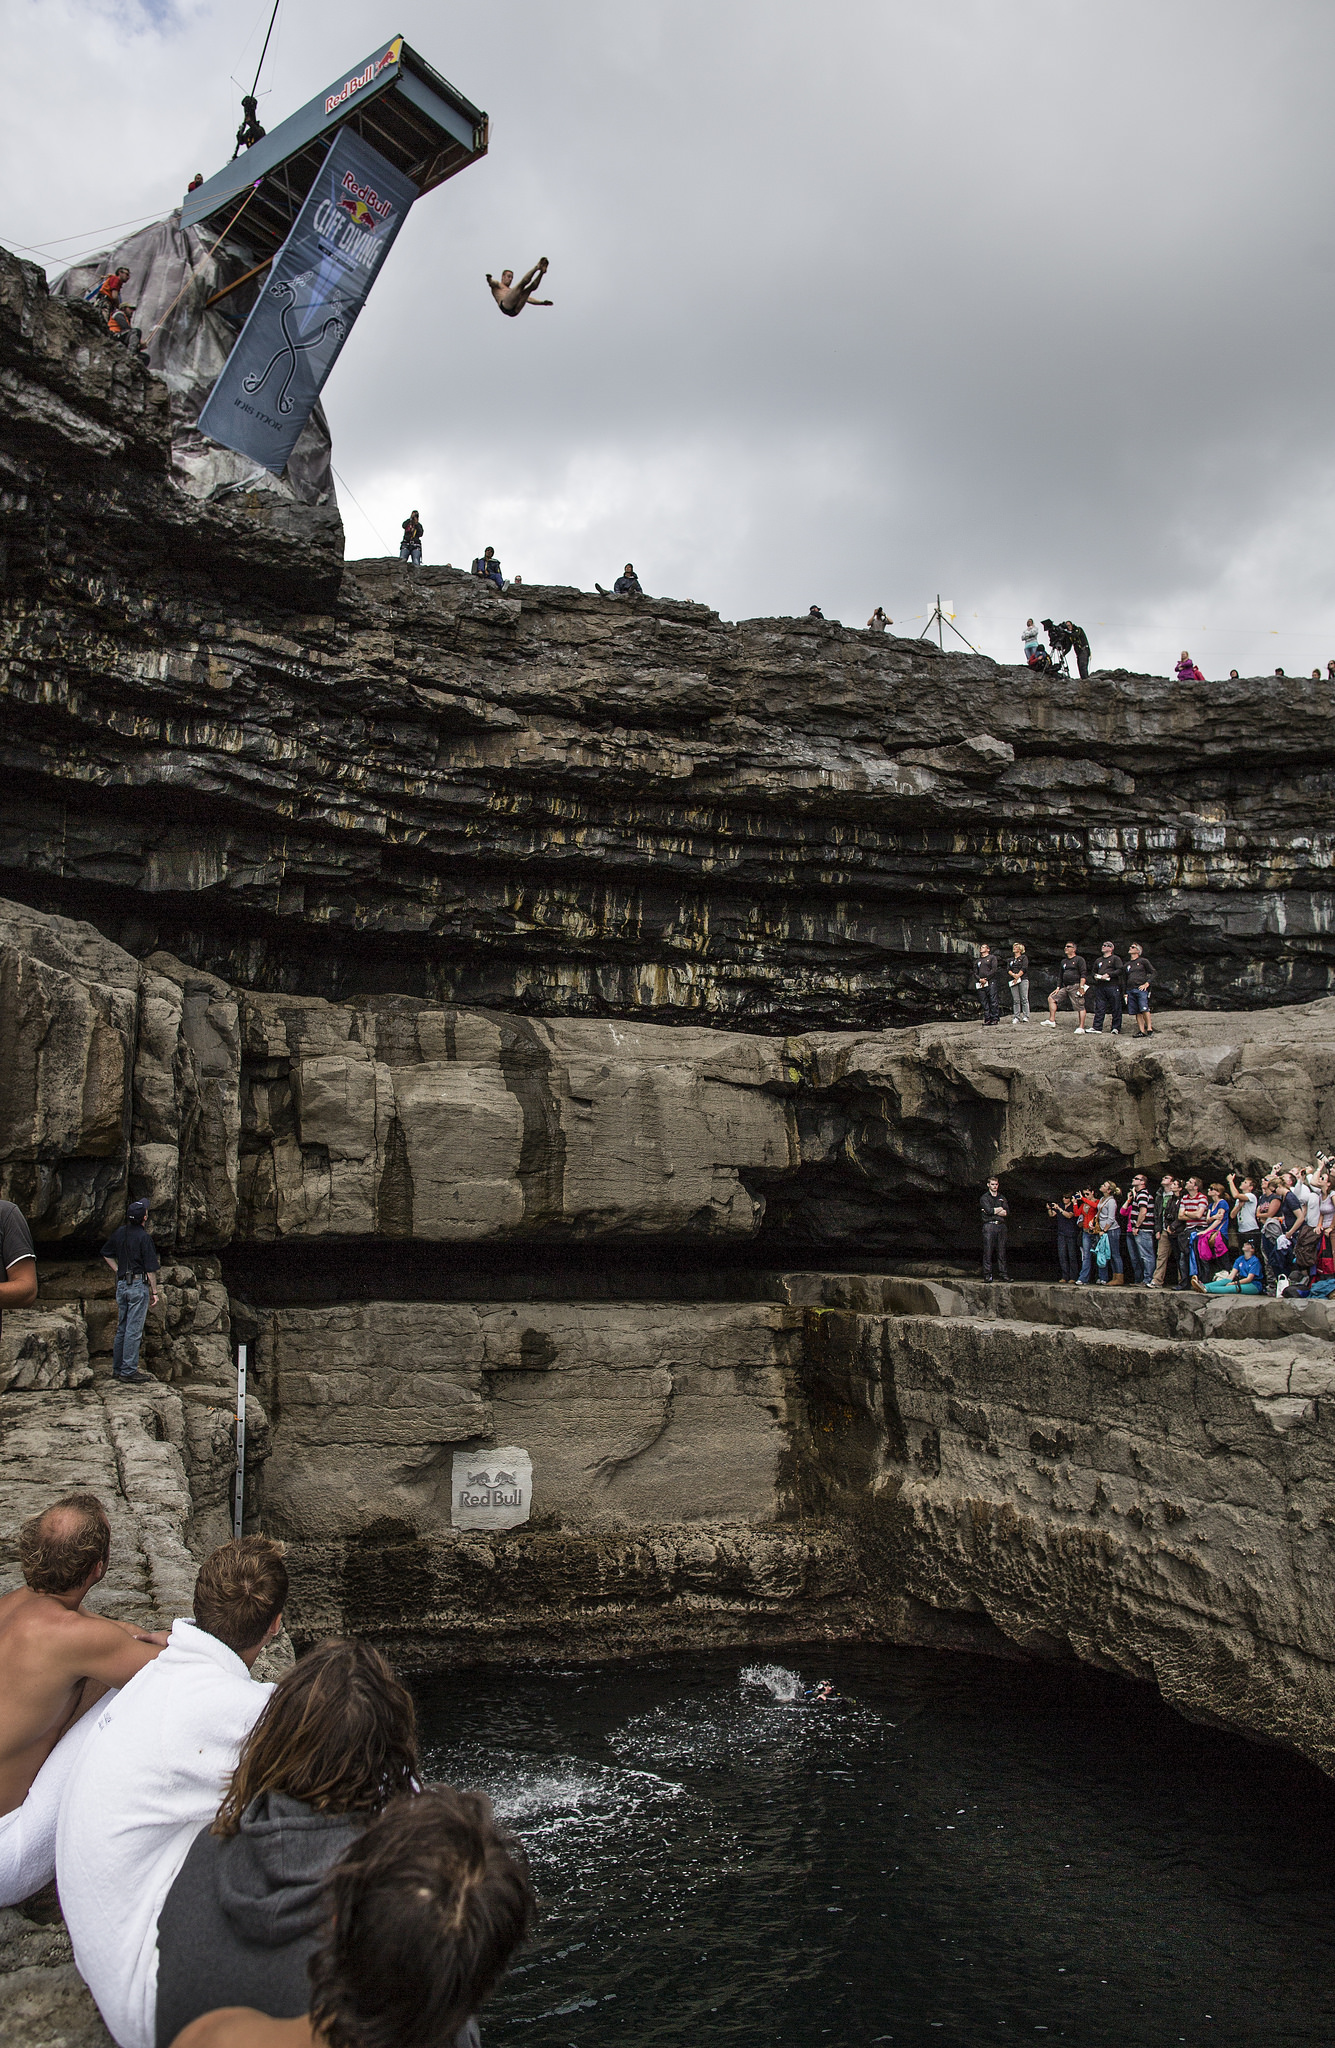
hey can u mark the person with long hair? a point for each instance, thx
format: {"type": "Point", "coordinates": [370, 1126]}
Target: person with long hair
{"type": "Point", "coordinates": [336, 1742]}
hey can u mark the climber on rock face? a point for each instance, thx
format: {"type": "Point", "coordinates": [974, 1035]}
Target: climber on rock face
{"type": "Point", "coordinates": [511, 297]}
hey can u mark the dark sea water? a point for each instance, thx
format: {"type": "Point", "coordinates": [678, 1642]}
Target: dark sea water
{"type": "Point", "coordinates": [956, 1850]}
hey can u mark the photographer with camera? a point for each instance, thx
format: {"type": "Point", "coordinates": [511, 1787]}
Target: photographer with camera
{"type": "Point", "coordinates": [1063, 1214]}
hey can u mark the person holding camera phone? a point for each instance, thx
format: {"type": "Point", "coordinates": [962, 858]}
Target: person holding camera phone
{"type": "Point", "coordinates": [1063, 1214]}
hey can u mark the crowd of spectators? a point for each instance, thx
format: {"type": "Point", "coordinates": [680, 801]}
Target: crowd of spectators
{"type": "Point", "coordinates": [1275, 1235]}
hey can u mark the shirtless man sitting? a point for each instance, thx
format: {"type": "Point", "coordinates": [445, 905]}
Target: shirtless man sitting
{"type": "Point", "coordinates": [511, 297]}
{"type": "Point", "coordinates": [58, 1662]}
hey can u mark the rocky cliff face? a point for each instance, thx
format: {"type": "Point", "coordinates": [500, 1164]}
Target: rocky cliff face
{"type": "Point", "coordinates": [557, 803]}
{"type": "Point", "coordinates": [451, 1231]}
{"type": "Point", "coordinates": [383, 933]}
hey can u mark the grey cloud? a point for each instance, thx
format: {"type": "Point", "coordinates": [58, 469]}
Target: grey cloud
{"type": "Point", "coordinates": [1026, 303]}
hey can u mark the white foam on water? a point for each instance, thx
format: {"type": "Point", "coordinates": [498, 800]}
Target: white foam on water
{"type": "Point", "coordinates": [778, 1682]}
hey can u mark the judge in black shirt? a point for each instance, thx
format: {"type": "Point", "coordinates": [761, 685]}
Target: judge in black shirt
{"type": "Point", "coordinates": [1070, 987]}
{"type": "Point", "coordinates": [1108, 971]}
{"type": "Point", "coordinates": [132, 1256]}
{"type": "Point", "coordinates": [987, 968]}
{"type": "Point", "coordinates": [993, 1206]}
{"type": "Point", "coordinates": [1139, 974]}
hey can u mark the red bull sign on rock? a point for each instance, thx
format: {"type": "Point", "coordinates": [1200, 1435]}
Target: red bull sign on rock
{"type": "Point", "coordinates": [316, 288]}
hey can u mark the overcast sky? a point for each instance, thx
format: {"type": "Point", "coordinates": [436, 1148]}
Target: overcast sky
{"type": "Point", "coordinates": [1028, 303]}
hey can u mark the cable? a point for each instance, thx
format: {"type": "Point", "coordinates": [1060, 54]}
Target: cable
{"type": "Point", "coordinates": [365, 514]}
{"type": "Point", "coordinates": [85, 234]}
{"type": "Point", "coordinates": [265, 51]}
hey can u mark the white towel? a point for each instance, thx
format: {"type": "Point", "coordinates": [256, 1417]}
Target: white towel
{"type": "Point", "coordinates": [28, 1834]}
{"type": "Point", "coordinates": [151, 1775]}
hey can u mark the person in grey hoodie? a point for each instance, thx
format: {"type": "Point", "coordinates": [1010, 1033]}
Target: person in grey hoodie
{"type": "Point", "coordinates": [335, 1743]}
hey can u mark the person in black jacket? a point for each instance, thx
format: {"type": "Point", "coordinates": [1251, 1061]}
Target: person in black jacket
{"type": "Point", "coordinates": [1139, 974]}
{"type": "Point", "coordinates": [1079, 641]}
{"type": "Point", "coordinates": [987, 969]}
{"type": "Point", "coordinates": [1070, 989]}
{"type": "Point", "coordinates": [993, 1207]}
{"type": "Point", "coordinates": [1108, 972]}
{"type": "Point", "coordinates": [132, 1257]}
{"type": "Point", "coordinates": [414, 533]}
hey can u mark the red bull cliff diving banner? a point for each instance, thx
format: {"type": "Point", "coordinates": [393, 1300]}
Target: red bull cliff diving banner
{"type": "Point", "coordinates": [304, 314]}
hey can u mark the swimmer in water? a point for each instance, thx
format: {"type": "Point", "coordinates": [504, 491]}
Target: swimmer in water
{"type": "Point", "coordinates": [511, 297]}
{"type": "Point", "coordinates": [823, 1691]}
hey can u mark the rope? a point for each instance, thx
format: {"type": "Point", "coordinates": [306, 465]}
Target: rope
{"type": "Point", "coordinates": [365, 514]}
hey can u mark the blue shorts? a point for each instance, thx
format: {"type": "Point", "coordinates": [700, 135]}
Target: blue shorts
{"type": "Point", "coordinates": [1137, 1002]}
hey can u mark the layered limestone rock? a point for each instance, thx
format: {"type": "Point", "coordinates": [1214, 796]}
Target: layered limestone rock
{"type": "Point", "coordinates": [254, 1120]}
{"type": "Point", "coordinates": [560, 803]}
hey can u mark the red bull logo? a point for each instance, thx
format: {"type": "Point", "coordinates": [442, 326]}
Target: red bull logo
{"type": "Point", "coordinates": [359, 213]}
{"type": "Point", "coordinates": [364, 77]}
{"type": "Point", "coordinates": [363, 202]}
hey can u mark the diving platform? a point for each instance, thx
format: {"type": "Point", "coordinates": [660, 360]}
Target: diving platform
{"type": "Point", "coordinates": [393, 100]}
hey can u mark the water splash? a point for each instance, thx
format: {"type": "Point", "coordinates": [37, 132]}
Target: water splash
{"type": "Point", "coordinates": [779, 1683]}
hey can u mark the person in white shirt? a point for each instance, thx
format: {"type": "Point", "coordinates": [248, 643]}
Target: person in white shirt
{"type": "Point", "coordinates": [153, 1773]}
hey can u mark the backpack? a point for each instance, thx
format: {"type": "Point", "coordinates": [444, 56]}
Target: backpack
{"type": "Point", "coordinates": [1103, 1250]}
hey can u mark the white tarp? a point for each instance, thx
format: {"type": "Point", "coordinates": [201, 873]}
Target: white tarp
{"type": "Point", "coordinates": [173, 272]}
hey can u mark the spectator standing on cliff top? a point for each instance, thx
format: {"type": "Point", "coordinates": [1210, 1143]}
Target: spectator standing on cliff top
{"type": "Point", "coordinates": [1191, 1212]}
{"type": "Point", "coordinates": [878, 622]}
{"type": "Point", "coordinates": [1138, 1216]}
{"type": "Point", "coordinates": [1017, 974]}
{"type": "Point", "coordinates": [1070, 989]}
{"type": "Point", "coordinates": [132, 1256]}
{"type": "Point", "coordinates": [1109, 1269]}
{"type": "Point", "coordinates": [1063, 1214]}
{"type": "Point", "coordinates": [1080, 646]}
{"type": "Point", "coordinates": [1165, 1223]}
{"type": "Point", "coordinates": [1108, 971]}
{"type": "Point", "coordinates": [1086, 1207]}
{"type": "Point", "coordinates": [410, 547]}
{"type": "Point", "coordinates": [1186, 670]}
{"type": "Point", "coordinates": [994, 1213]}
{"type": "Point", "coordinates": [1139, 974]}
{"type": "Point", "coordinates": [987, 968]}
